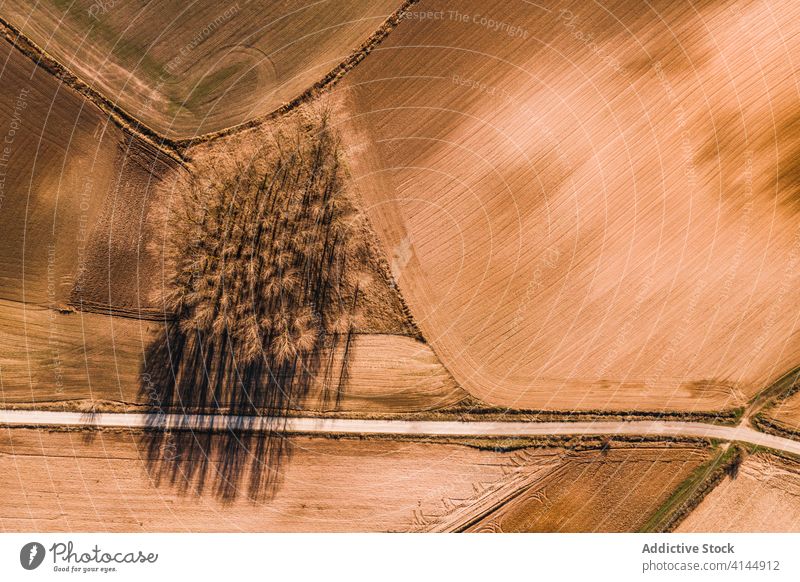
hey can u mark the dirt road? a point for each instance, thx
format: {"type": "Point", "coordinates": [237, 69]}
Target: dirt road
{"type": "Point", "coordinates": [402, 427]}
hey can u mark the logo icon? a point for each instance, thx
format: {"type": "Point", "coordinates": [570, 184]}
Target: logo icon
{"type": "Point", "coordinates": [31, 555]}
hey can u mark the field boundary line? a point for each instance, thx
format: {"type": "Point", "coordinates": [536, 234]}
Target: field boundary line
{"type": "Point", "coordinates": [175, 147]}
{"type": "Point", "coordinates": [124, 120]}
{"type": "Point", "coordinates": [327, 82]}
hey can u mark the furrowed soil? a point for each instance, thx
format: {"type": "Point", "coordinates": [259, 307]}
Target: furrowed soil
{"type": "Point", "coordinates": [763, 497]}
{"type": "Point", "coordinates": [580, 225]}
{"type": "Point", "coordinates": [74, 481]}
{"type": "Point", "coordinates": [613, 491]}
{"type": "Point", "coordinates": [78, 359]}
{"type": "Point", "coordinates": [79, 213]}
{"type": "Point", "coordinates": [190, 69]}
{"type": "Point", "coordinates": [75, 194]}
{"type": "Point", "coordinates": [786, 414]}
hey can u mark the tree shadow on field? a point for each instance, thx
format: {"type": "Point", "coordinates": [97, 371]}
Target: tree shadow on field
{"type": "Point", "coordinates": [734, 464]}
{"type": "Point", "coordinates": [261, 302]}
{"type": "Point", "coordinates": [225, 433]}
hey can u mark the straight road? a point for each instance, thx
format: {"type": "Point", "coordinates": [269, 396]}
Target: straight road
{"type": "Point", "coordinates": [398, 427]}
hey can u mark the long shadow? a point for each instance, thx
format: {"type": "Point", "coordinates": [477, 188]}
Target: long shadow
{"type": "Point", "coordinates": [243, 450]}
{"type": "Point", "coordinates": [262, 303]}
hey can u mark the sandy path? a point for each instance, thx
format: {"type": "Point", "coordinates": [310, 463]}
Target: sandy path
{"type": "Point", "coordinates": [404, 427]}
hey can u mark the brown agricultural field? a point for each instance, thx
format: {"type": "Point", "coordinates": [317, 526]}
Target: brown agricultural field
{"type": "Point", "coordinates": [763, 497]}
{"type": "Point", "coordinates": [80, 360]}
{"type": "Point", "coordinates": [81, 217]}
{"type": "Point", "coordinates": [613, 491]}
{"type": "Point", "coordinates": [784, 414]}
{"type": "Point", "coordinates": [488, 211]}
{"type": "Point", "coordinates": [605, 225]}
{"type": "Point", "coordinates": [187, 69]}
{"type": "Point", "coordinates": [71, 481]}
{"type": "Point", "coordinates": [76, 193]}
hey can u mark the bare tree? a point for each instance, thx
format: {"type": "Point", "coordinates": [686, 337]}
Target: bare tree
{"type": "Point", "coordinates": [264, 287]}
